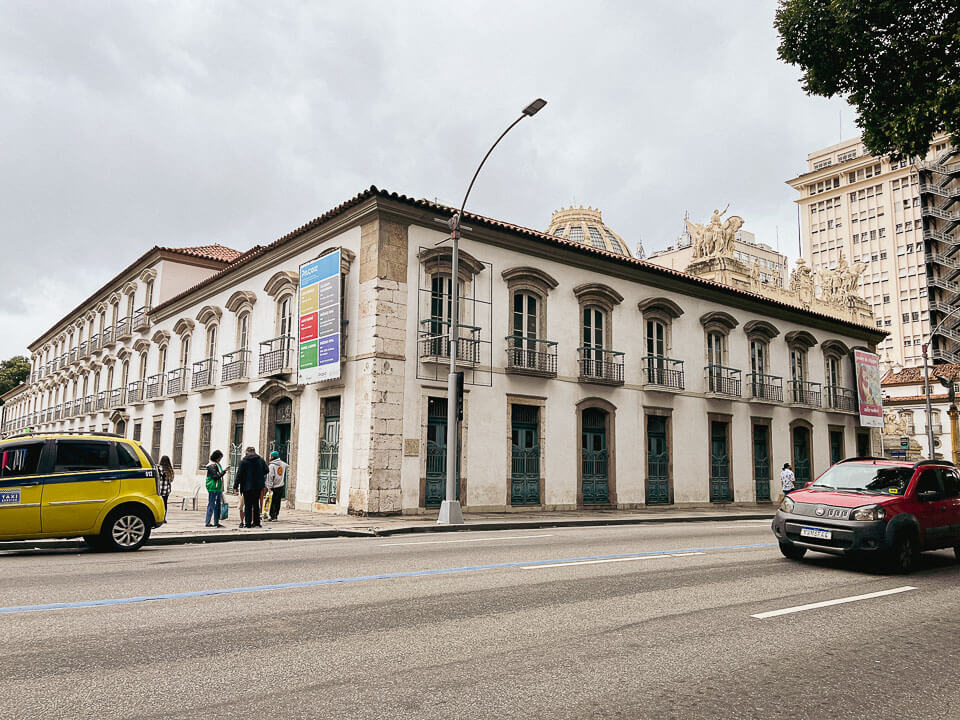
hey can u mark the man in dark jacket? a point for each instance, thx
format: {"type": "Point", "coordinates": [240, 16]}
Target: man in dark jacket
{"type": "Point", "coordinates": [250, 480]}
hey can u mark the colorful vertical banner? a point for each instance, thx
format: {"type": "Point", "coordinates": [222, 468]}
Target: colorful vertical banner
{"type": "Point", "coordinates": [867, 368]}
{"type": "Point", "coordinates": [319, 319]}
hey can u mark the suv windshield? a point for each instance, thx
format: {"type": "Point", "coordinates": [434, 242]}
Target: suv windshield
{"type": "Point", "coordinates": [865, 478]}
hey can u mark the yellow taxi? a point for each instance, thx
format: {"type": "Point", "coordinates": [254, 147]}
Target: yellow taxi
{"type": "Point", "coordinates": [97, 486]}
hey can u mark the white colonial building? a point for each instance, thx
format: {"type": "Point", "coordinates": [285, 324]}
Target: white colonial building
{"type": "Point", "coordinates": [593, 378]}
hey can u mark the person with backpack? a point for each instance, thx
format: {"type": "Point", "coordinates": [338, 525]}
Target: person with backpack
{"type": "Point", "coordinates": [276, 480]}
{"type": "Point", "coordinates": [250, 480]}
{"type": "Point", "coordinates": [215, 473]}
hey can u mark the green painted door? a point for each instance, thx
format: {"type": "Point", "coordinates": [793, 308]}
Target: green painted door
{"type": "Point", "coordinates": [658, 461]}
{"type": "Point", "coordinates": [281, 441]}
{"type": "Point", "coordinates": [801, 456]}
{"type": "Point", "coordinates": [594, 458]}
{"type": "Point", "coordinates": [761, 462]}
{"type": "Point", "coordinates": [435, 490]}
{"type": "Point", "coordinates": [836, 446]}
{"type": "Point", "coordinates": [719, 463]}
{"type": "Point", "coordinates": [525, 455]}
{"type": "Point", "coordinates": [328, 462]}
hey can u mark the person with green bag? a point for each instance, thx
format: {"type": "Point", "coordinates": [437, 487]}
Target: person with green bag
{"type": "Point", "coordinates": [215, 475]}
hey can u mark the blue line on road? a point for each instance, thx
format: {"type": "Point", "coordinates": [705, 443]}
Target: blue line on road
{"type": "Point", "coordinates": [336, 581]}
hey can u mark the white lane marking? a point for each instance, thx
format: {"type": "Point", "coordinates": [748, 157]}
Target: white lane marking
{"type": "Point", "coordinates": [610, 560]}
{"type": "Point", "coordinates": [482, 539]}
{"type": "Point", "coordinates": [826, 603]}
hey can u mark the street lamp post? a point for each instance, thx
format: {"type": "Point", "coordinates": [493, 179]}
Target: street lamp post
{"type": "Point", "coordinates": [450, 512]}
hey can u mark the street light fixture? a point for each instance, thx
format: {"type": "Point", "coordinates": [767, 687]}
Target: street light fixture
{"type": "Point", "coordinates": [926, 381]}
{"type": "Point", "coordinates": [450, 511]}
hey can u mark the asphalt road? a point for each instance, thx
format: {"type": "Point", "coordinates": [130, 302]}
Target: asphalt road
{"type": "Point", "coordinates": [652, 621]}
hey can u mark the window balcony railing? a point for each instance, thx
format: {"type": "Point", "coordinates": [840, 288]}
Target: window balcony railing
{"type": "Point", "coordinates": [89, 402]}
{"type": "Point", "coordinates": [275, 358]}
{"type": "Point", "coordinates": [116, 398]}
{"type": "Point", "coordinates": [204, 374]}
{"type": "Point", "coordinates": [236, 366]}
{"type": "Point", "coordinates": [63, 361]}
{"type": "Point", "coordinates": [82, 349]}
{"type": "Point", "coordinates": [531, 356]}
{"type": "Point", "coordinates": [805, 393]}
{"type": "Point", "coordinates": [94, 342]}
{"type": "Point", "coordinates": [58, 412]}
{"type": "Point", "coordinates": [178, 381]}
{"type": "Point", "coordinates": [154, 386]}
{"type": "Point", "coordinates": [434, 342]}
{"type": "Point", "coordinates": [840, 398]}
{"type": "Point", "coordinates": [598, 365]}
{"type": "Point", "coordinates": [107, 337]}
{"type": "Point", "coordinates": [51, 367]}
{"type": "Point", "coordinates": [73, 355]}
{"type": "Point", "coordinates": [722, 380]}
{"type": "Point", "coordinates": [102, 400]}
{"type": "Point", "coordinates": [135, 392]}
{"type": "Point", "coordinates": [661, 371]}
{"type": "Point", "coordinates": [124, 328]}
{"type": "Point", "coordinates": [937, 429]}
{"type": "Point", "coordinates": [141, 318]}
{"type": "Point", "coordinates": [766, 387]}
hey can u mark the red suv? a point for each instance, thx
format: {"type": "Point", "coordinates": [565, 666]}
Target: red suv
{"type": "Point", "coordinates": [874, 507]}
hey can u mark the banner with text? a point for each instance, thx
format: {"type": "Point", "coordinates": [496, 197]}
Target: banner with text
{"type": "Point", "coordinates": [319, 325]}
{"type": "Point", "coordinates": [867, 368]}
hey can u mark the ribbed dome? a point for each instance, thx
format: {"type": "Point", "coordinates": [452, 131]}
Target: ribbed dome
{"type": "Point", "coordinates": [585, 225]}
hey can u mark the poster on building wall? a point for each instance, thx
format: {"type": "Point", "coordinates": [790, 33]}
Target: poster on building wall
{"type": "Point", "coordinates": [867, 368]}
{"type": "Point", "coordinates": [318, 337]}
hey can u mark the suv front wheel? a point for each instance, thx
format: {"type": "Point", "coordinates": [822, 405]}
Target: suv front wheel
{"type": "Point", "coordinates": [125, 529]}
{"type": "Point", "coordinates": [792, 551]}
{"type": "Point", "coordinates": [903, 554]}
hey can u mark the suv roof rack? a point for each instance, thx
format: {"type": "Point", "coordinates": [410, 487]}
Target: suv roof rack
{"type": "Point", "coordinates": [63, 432]}
{"type": "Point", "coordinates": [934, 462]}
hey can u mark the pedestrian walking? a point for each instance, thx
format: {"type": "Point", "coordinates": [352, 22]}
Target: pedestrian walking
{"type": "Point", "coordinates": [276, 483]}
{"type": "Point", "coordinates": [215, 473]}
{"type": "Point", "coordinates": [166, 480]}
{"type": "Point", "coordinates": [787, 480]}
{"type": "Point", "coordinates": [251, 479]}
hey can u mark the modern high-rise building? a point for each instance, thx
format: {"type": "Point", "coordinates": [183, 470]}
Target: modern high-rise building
{"type": "Point", "coordinates": [870, 210]}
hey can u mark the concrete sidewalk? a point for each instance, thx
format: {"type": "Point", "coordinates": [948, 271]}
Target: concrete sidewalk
{"type": "Point", "coordinates": [187, 526]}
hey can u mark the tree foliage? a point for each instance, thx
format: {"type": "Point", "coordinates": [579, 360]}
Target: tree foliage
{"type": "Point", "coordinates": [13, 372]}
{"type": "Point", "coordinates": [896, 61]}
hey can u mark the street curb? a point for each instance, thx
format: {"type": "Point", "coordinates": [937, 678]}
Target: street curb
{"type": "Point", "coordinates": [200, 539]}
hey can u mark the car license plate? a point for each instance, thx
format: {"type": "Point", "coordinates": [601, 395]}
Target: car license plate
{"type": "Point", "coordinates": [815, 533]}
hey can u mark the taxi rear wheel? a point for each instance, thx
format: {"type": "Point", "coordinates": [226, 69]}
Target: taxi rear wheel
{"type": "Point", "coordinates": [126, 529]}
{"type": "Point", "coordinates": [792, 551]}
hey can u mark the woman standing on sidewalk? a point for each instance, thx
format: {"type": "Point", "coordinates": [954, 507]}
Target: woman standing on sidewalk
{"type": "Point", "coordinates": [215, 475]}
{"type": "Point", "coordinates": [166, 481]}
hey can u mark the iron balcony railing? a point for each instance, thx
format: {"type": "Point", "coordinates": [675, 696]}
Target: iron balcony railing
{"type": "Point", "coordinates": [840, 398]}
{"type": "Point", "coordinates": [89, 403]}
{"type": "Point", "coordinates": [82, 349]}
{"type": "Point", "coordinates": [936, 427]}
{"type": "Point", "coordinates": [662, 371]}
{"type": "Point", "coordinates": [106, 337]}
{"type": "Point", "coordinates": [94, 342]}
{"type": "Point", "coordinates": [803, 392]}
{"type": "Point", "coordinates": [178, 381]}
{"type": "Point", "coordinates": [531, 356]}
{"type": "Point", "coordinates": [275, 355]}
{"type": "Point", "coordinates": [135, 392]}
{"type": "Point", "coordinates": [723, 380]}
{"type": "Point", "coordinates": [204, 373]}
{"type": "Point", "coordinates": [434, 341]}
{"type": "Point", "coordinates": [101, 400]}
{"type": "Point", "coordinates": [73, 355]}
{"type": "Point", "coordinates": [58, 412]}
{"type": "Point", "coordinates": [63, 361]}
{"type": "Point", "coordinates": [141, 318]}
{"type": "Point", "coordinates": [116, 398]}
{"type": "Point", "coordinates": [154, 386]}
{"type": "Point", "coordinates": [766, 387]}
{"type": "Point", "coordinates": [236, 365]}
{"type": "Point", "coordinates": [124, 327]}
{"type": "Point", "coordinates": [601, 365]}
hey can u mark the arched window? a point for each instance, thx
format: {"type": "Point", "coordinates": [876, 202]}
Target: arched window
{"type": "Point", "coordinates": [162, 359]}
{"type": "Point", "coordinates": [109, 378]}
{"type": "Point", "coordinates": [285, 316]}
{"type": "Point", "coordinates": [185, 351]}
{"type": "Point", "coordinates": [148, 294]}
{"type": "Point", "coordinates": [125, 374]}
{"type": "Point", "coordinates": [143, 367]}
{"type": "Point", "coordinates": [243, 331]}
{"type": "Point", "coordinates": [212, 341]}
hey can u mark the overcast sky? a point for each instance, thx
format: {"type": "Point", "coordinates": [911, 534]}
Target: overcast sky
{"type": "Point", "coordinates": [131, 124]}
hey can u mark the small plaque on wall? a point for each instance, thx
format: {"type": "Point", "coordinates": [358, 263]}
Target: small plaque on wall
{"type": "Point", "coordinates": [411, 448]}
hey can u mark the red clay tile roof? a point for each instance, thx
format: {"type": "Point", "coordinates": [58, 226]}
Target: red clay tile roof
{"type": "Point", "coordinates": [210, 252]}
{"type": "Point", "coordinates": [914, 375]}
{"type": "Point", "coordinates": [470, 218]}
{"type": "Point", "coordinates": [914, 398]}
